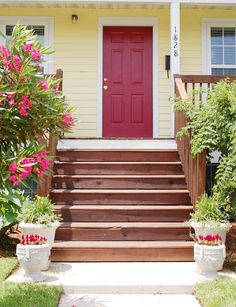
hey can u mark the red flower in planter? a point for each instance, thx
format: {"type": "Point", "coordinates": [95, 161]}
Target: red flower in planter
{"type": "Point", "coordinates": [33, 240]}
{"type": "Point", "coordinates": [212, 240]}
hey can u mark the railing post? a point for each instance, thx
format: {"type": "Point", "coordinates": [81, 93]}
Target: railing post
{"type": "Point", "coordinates": [194, 168]}
{"type": "Point", "coordinates": [45, 184]}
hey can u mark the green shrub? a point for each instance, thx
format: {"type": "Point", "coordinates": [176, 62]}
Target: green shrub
{"type": "Point", "coordinates": [38, 211]}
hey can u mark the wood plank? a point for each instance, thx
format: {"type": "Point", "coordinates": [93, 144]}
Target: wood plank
{"type": "Point", "coordinates": [117, 155]}
{"type": "Point", "coordinates": [119, 168]}
{"type": "Point", "coordinates": [119, 182]}
{"type": "Point", "coordinates": [122, 231]}
{"type": "Point", "coordinates": [124, 213]}
{"type": "Point", "coordinates": [117, 197]}
{"type": "Point", "coordinates": [122, 251]}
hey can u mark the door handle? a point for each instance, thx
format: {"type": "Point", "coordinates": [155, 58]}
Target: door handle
{"type": "Point", "coordinates": [105, 87]}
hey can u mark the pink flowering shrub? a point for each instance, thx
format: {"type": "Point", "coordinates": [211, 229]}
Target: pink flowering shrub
{"type": "Point", "coordinates": [31, 108]}
{"type": "Point", "coordinates": [211, 240]}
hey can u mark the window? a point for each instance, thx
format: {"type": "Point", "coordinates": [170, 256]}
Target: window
{"type": "Point", "coordinates": [42, 26]}
{"type": "Point", "coordinates": [219, 46]}
{"type": "Point", "coordinates": [223, 50]}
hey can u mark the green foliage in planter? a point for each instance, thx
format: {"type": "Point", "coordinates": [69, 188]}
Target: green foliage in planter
{"type": "Point", "coordinates": [208, 211]}
{"type": "Point", "coordinates": [213, 128]}
{"type": "Point", "coordinates": [38, 211]}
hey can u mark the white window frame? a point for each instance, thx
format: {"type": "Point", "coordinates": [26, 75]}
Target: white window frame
{"type": "Point", "coordinates": [128, 21]}
{"type": "Point", "coordinates": [47, 22]}
{"type": "Point", "coordinates": [207, 24]}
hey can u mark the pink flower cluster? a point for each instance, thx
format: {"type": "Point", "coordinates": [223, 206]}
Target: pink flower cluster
{"type": "Point", "coordinates": [28, 48]}
{"type": "Point", "coordinates": [44, 85]}
{"type": "Point", "coordinates": [42, 163]}
{"type": "Point", "coordinates": [67, 119]}
{"type": "Point", "coordinates": [26, 104]}
{"type": "Point", "coordinates": [5, 58]}
{"type": "Point", "coordinates": [36, 164]}
{"type": "Point", "coordinates": [56, 88]}
{"type": "Point", "coordinates": [11, 97]}
{"type": "Point", "coordinates": [212, 240]}
{"type": "Point", "coordinates": [32, 240]}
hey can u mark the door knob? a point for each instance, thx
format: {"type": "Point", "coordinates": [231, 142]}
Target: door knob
{"type": "Point", "coordinates": [105, 87]}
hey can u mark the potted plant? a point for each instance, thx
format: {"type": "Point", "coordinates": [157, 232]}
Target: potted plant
{"type": "Point", "coordinates": [32, 254]}
{"type": "Point", "coordinates": [37, 216]}
{"type": "Point", "coordinates": [209, 253]}
{"type": "Point", "coordinates": [209, 218]}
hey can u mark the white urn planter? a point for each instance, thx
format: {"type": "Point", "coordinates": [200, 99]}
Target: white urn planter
{"type": "Point", "coordinates": [209, 258]}
{"type": "Point", "coordinates": [43, 231]}
{"type": "Point", "coordinates": [33, 258]}
{"type": "Point", "coordinates": [211, 229]}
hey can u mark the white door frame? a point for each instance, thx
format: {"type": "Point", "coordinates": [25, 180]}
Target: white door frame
{"type": "Point", "coordinates": [128, 21]}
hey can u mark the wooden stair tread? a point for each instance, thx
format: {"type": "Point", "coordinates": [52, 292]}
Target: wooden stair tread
{"type": "Point", "coordinates": [120, 191]}
{"type": "Point", "coordinates": [100, 149]}
{"type": "Point", "coordinates": [122, 244]}
{"type": "Point", "coordinates": [124, 207]}
{"type": "Point", "coordinates": [167, 225]}
{"type": "Point", "coordinates": [121, 176]}
{"type": "Point", "coordinates": [117, 163]}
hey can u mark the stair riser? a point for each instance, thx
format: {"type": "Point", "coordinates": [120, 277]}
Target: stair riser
{"type": "Point", "coordinates": [122, 234]}
{"type": "Point", "coordinates": [159, 156]}
{"type": "Point", "coordinates": [119, 183]}
{"type": "Point", "coordinates": [120, 254]}
{"type": "Point", "coordinates": [124, 216]}
{"type": "Point", "coordinates": [120, 169]}
{"type": "Point", "coordinates": [120, 199]}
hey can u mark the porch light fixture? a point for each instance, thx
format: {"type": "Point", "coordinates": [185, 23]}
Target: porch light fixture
{"type": "Point", "coordinates": [74, 18]}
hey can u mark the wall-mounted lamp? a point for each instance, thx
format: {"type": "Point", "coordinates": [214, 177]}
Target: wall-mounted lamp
{"type": "Point", "coordinates": [74, 18]}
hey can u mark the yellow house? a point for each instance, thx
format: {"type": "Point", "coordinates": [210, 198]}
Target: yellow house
{"type": "Point", "coordinates": [182, 29]}
{"type": "Point", "coordinates": [119, 59]}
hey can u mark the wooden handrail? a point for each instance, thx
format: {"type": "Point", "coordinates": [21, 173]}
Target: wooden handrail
{"type": "Point", "coordinates": [51, 144]}
{"type": "Point", "coordinates": [194, 168]}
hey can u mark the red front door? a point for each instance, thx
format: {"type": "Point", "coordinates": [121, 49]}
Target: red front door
{"type": "Point", "coordinates": [127, 82]}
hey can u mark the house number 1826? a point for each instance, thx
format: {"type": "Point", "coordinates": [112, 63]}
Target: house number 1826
{"type": "Point", "coordinates": [176, 43]}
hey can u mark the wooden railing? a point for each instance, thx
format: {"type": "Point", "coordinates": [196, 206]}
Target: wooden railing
{"type": "Point", "coordinates": [51, 144]}
{"type": "Point", "coordinates": [194, 168]}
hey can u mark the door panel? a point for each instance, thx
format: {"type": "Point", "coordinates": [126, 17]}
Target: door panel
{"type": "Point", "coordinates": [127, 82]}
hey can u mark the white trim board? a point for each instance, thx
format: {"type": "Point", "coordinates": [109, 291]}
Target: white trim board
{"type": "Point", "coordinates": [116, 144]}
{"type": "Point", "coordinates": [128, 21]}
{"type": "Point", "coordinates": [48, 22]}
{"type": "Point", "coordinates": [74, 2]}
{"type": "Point", "coordinates": [207, 23]}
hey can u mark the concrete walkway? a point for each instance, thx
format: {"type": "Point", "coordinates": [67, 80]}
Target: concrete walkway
{"type": "Point", "coordinates": [124, 277]}
{"type": "Point", "coordinates": [123, 284]}
{"type": "Point", "coordinates": [128, 300]}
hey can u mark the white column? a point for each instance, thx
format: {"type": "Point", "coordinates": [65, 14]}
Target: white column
{"type": "Point", "coordinates": [174, 49]}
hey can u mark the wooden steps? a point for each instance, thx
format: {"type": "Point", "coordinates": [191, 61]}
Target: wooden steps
{"type": "Point", "coordinates": [121, 205]}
